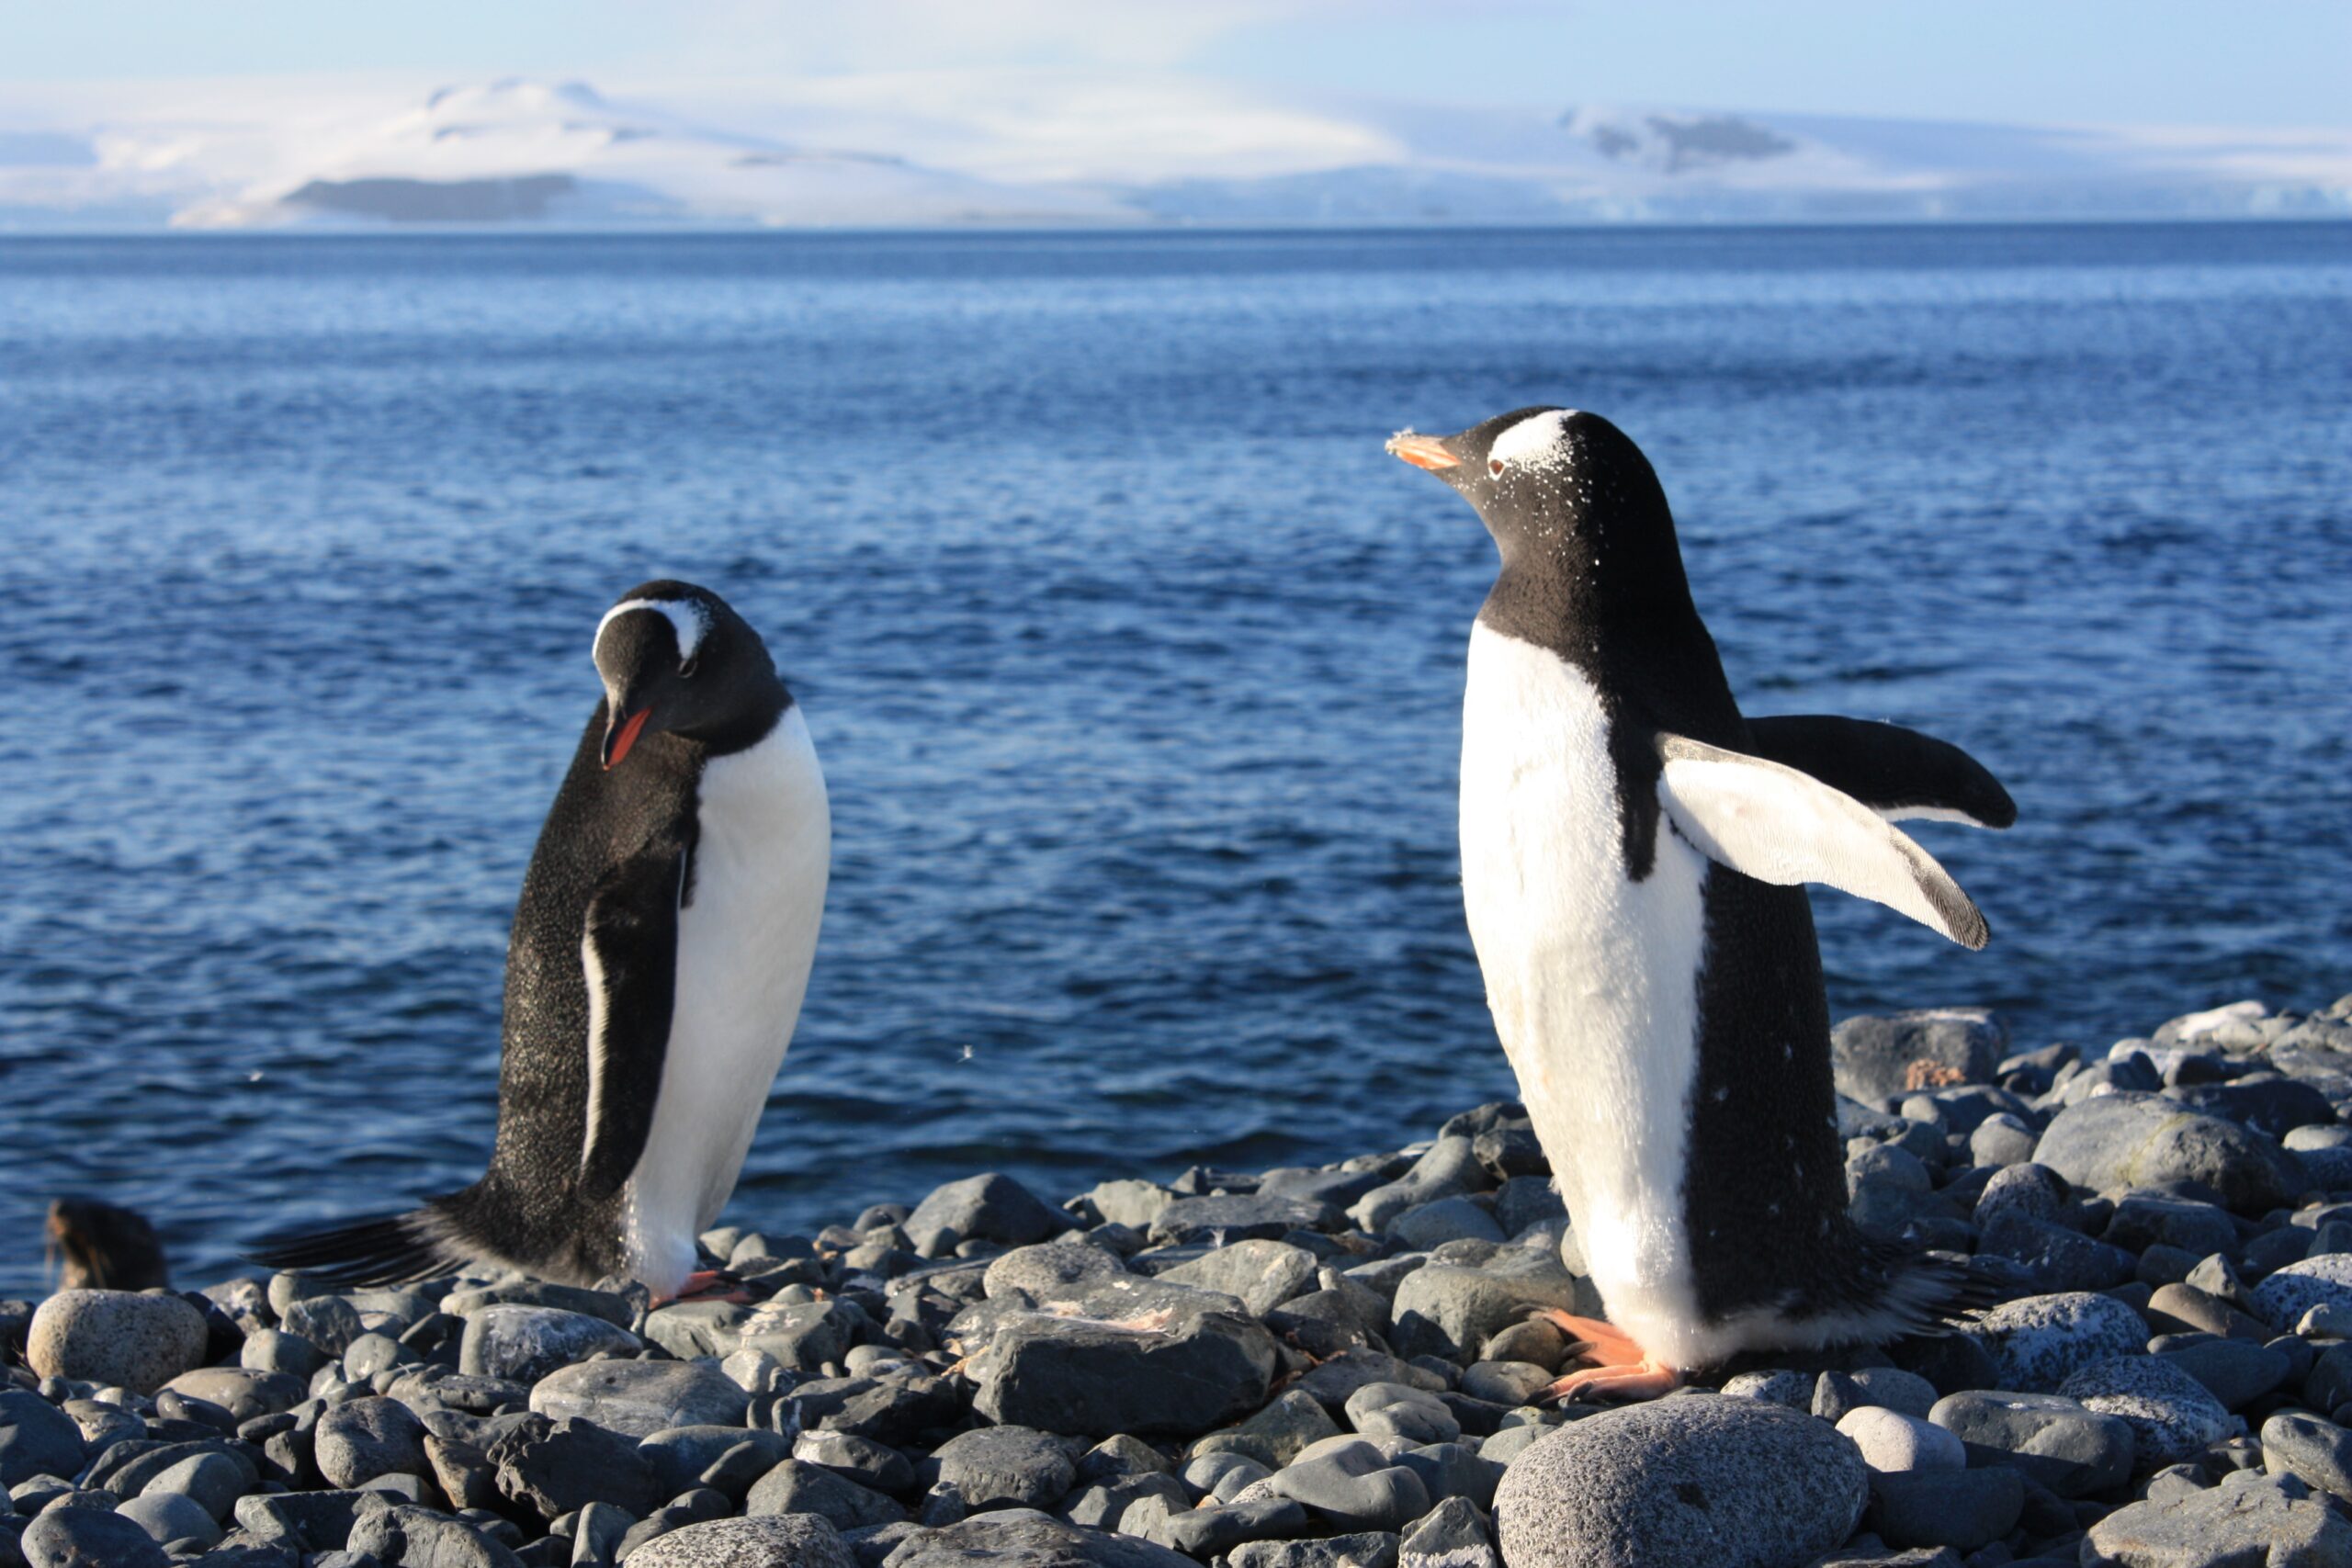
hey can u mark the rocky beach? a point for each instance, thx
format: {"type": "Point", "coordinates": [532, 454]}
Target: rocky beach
{"type": "Point", "coordinates": [1300, 1368]}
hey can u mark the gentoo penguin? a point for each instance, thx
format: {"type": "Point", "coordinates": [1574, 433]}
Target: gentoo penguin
{"type": "Point", "coordinates": [659, 954]}
{"type": "Point", "coordinates": [1632, 854]}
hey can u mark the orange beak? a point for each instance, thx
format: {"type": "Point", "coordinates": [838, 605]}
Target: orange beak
{"type": "Point", "coordinates": [624, 737]}
{"type": "Point", "coordinates": [1423, 451]}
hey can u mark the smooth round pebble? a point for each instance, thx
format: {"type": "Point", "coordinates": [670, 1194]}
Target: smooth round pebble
{"type": "Point", "coordinates": [1731, 1482]}
{"type": "Point", "coordinates": [141, 1342]}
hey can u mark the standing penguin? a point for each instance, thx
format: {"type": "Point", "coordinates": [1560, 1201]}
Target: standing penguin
{"type": "Point", "coordinates": [660, 954]}
{"type": "Point", "coordinates": [1632, 854]}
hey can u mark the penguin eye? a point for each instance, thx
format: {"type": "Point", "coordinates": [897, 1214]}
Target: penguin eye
{"type": "Point", "coordinates": [687, 669]}
{"type": "Point", "coordinates": [1495, 467]}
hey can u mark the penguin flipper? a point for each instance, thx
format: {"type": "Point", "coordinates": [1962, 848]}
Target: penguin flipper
{"type": "Point", "coordinates": [629, 950]}
{"type": "Point", "coordinates": [1766, 820]}
{"type": "Point", "coordinates": [1896, 772]}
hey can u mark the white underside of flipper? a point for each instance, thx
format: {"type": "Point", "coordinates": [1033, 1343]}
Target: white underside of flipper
{"type": "Point", "coordinates": [745, 943]}
{"type": "Point", "coordinates": [1593, 979]}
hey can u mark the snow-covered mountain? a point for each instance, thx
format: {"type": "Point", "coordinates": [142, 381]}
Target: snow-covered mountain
{"type": "Point", "coordinates": [1058, 148]}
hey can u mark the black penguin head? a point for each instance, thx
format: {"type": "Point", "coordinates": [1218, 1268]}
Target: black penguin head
{"type": "Point", "coordinates": [1568, 497]}
{"type": "Point", "coordinates": [675, 659]}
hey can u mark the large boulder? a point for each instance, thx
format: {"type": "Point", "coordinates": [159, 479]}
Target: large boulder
{"type": "Point", "coordinates": [2116, 1142]}
{"type": "Point", "coordinates": [1732, 1483]}
{"type": "Point", "coordinates": [116, 1337]}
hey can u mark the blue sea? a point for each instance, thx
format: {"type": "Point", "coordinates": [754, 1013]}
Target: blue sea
{"type": "Point", "coordinates": [1135, 666]}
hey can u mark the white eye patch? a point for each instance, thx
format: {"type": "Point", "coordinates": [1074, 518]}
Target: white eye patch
{"type": "Point", "coordinates": [1537, 441]}
{"type": "Point", "coordinates": [687, 617]}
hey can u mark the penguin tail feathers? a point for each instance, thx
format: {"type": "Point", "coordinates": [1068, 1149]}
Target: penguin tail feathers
{"type": "Point", "coordinates": [1938, 1293]}
{"type": "Point", "coordinates": [388, 1250]}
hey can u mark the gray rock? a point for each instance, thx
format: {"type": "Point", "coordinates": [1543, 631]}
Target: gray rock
{"type": "Point", "coordinates": [1430, 1225]}
{"type": "Point", "coordinates": [558, 1467]}
{"type": "Point", "coordinates": [1447, 1169]}
{"type": "Point", "coordinates": [90, 1538]}
{"type": "Point", "coordinates": [409, 1537]}
{"type": "Point", "coordinates": [612, 1306]}
{"type": "Point", "coordinates": [2057, 1443]}
{"type": "Point", "coordinates": [2264, 1102]}
{"type": "Point", "coordinates": [640, 1398]}
{"type": "Point", "coordinates": [362, 1440]}
{"type": "Point", "coordinates": [2118, 1142]}
{"type": "Point", "coordinates": [2035, 1191]}
{"type": "Point", "coordinates": [1451, 1535]}
{"type": "Point", "coordinates": [988, 1207]}
{"type": "Point", "coordinates": [860, 1459]}
{"type": "Point", "coordinates": [2037, 1342]}
{"type": "Point", "coordinates": [1354, 1497]}
{"type": "Point", "coordinates": [1369, 1550]}
{"type": "Point", "coordinates": [2235, 1371]}
{"type": "Point", "coordinates": [2293, 1291]}
{"type": "Point", "coordinates": [1122, 1455]}
{"type": "Point", "coordinates": [1964, 1509]}
{"type": "Point", "coordinates": [1451, 1470]}
{"type": "Point", "coordinates": [1050, 1271]}
{"type": "Point", "coordinates": [1223, 1219]}
{"type": "Point", "coordinates": [2222, 1528]}
{"type": "Point", "coordinates": [329, 1322]}
{"type": "Point", "coordinates": [803, 1336]}
{"type": "Point", "coordinates": [680, 1455]}
{"type": "Point", "coordinates": [246, 1394]}
{"type": "Point", "coordinates": [1101, 1379]}
{"type": "Point", "coordinates": [527, 1343]}
{"type": "Point", "coordinates": [1504, 1383]}
{"type": "Point", "coordinates": [2171, 1415]}
{"type": "Point", "coordinates": [212, 1481]}
{"type": "Point", "coordinates": [1012, 1539]}
{"type": "Point", "coordinates": [1735, 1482]}
{"type": "Point", "coordinates": [794, 1487]}
{"type": "Point", "coordinates": [1793, 1390]}
{"type": "Point", "coordinates": [1132, 1203]}
{"type": "Point", "coordinates": [1403, 1411]}
{"type": "Point", "coordinates": [2002, 1139]}
{"type": "Point", "coordinates": [1263, 1274]}
{"type": "Point", "coordinates": [1874, 1056]}
{"type": "Point", "coordinates": [1104, 1505]}
{"type": "Point", "coordinates": [116, 1338]}
{"type": "Point", "coordinates": [314, 1521]}
{"type": "Point", "coordinates": [274, 1350]}
{"type": "Point", "coordinates": [1001, 1466]}
{"type": "Point", "coordinates": [167, 1517]}
{"type": "Point", "coordinates": [2315, 1452]}
{"type": "Point", "coordinates": [2140, 1221]}
{"type": "Point", "coordinates": [1889, 1441]}
{"type": "Point", "coordinates": [1889, 1388]}
{"type": "Point", "coordinates": [1443, 1310]}
{"type": "Point", "coordinates": [1210, 1532]}
{"type": "Point", "coordinates": [36, 1439]}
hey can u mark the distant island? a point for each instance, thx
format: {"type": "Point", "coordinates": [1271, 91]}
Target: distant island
{"type": "Point", "coordinates": [1046, 149]}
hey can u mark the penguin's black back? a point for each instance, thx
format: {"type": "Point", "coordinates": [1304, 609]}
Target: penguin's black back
{"type": "Point", "coordinates": [528, 1202]}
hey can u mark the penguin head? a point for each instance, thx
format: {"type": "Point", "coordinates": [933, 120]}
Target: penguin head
{"type": "Point", "coordinates": [675, 659]}
{"type": "Point", "coordinates": [1564, 494]}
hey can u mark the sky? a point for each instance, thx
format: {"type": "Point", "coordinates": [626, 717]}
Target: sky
{"type": "Point", "coordinates": [2277, 62]}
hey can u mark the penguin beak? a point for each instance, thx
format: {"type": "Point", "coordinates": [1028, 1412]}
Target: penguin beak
{"type": "Point", "coordinates": [1423, 451]}
{"type": "Point", "coordinates": [618, 740]}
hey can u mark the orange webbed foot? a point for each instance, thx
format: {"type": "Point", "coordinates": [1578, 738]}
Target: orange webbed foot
{"type": "Point", "coordinates": [1615, 1366]}
{"type": "Point", "coordinates": [710, 1285]}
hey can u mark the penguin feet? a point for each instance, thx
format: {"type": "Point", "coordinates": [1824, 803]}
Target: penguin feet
{"type": "Point", "coordinates": [1615, 1366]}
{"type": "Point", "coordinates": [712, 1285]}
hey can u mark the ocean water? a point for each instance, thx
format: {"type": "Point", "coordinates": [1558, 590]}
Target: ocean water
{"type": "Point", "coordinates": [1135, 666]}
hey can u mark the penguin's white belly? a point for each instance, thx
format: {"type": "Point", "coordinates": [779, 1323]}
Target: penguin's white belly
{"type": "Point", "coordinates": [745, 942]}
{"type": "Point", "coordinates": [1592, 977]}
